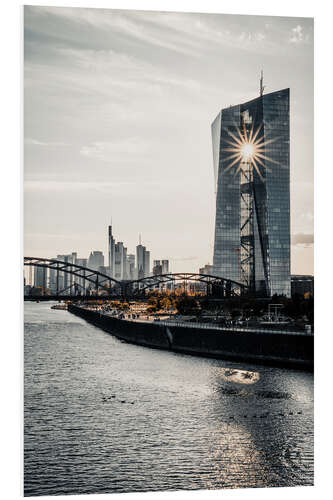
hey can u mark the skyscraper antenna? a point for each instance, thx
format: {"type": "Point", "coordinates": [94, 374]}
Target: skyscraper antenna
{"type": "Point", "coordinates": [139, 238]}
{"type": "Point", "coordinates": [262, 88]}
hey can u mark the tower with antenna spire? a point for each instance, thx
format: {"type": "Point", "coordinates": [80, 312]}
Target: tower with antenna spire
{"type": "Point", "coordinates": [252, 185]}
{"type": "Point", "coordinates": [111, 251]}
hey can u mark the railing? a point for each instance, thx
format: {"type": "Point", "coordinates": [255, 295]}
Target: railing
{"type": "Point", "coordinates": [209, 326]}
{"type": "Point", "coordinates": [204, 326]}
{"type": "Point", "coordinates": [231, 329]}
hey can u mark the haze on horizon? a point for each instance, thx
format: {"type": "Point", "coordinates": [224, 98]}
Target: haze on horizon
{"type": "Point", "coordinates": [117, 115]}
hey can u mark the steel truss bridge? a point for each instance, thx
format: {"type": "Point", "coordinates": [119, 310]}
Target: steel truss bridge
{"type": "Point", "coordinates": [88, 283]}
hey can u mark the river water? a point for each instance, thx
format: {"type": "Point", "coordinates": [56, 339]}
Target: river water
{"type": "Point", "coordinates": [103, 416]}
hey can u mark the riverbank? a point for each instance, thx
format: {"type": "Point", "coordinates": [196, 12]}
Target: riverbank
{"type": "Point", "coordinates": [287, 349]}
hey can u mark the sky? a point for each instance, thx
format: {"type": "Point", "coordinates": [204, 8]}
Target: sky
{"type": "Point", "coordinates": [118, 107]}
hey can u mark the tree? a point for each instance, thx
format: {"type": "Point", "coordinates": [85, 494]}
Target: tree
{"type": "Point", "coordinates": [187, 305]}
{"type": "Point", "coordinates": [166, 303]}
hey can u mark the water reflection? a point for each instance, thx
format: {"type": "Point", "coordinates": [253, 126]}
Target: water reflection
{"type": "Point", "coordinates": [265, 418]}
{"type": "Point", "coordinates": [236, 459]}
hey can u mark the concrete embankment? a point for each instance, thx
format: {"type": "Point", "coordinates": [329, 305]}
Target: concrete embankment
{"type": "Point", "coordinates": [285, 349]}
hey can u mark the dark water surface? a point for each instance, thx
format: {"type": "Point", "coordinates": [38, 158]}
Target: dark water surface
{"type": "Point", "coordinates": [104, 416]}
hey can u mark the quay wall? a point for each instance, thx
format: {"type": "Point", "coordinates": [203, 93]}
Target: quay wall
{"type": "Point", "coordinates": [284, 349]}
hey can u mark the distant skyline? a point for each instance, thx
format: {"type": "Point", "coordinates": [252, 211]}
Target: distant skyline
{"type": "Point", "coordinates": [118, 110]}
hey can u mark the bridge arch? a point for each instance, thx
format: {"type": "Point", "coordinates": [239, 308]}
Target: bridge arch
{"type": "Point", "coordinates": [135, 288]}
{"type": "Point", "coordinates": [226, 286]}
{"type": "Point", "coordinates": [99, 280]}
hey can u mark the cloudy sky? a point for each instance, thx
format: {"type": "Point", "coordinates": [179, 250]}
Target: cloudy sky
{"type": "Point", "coordinates": [118, 109]}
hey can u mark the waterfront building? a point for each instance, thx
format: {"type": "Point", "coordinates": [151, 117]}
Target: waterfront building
{"type": "Point", "coordinates": [251, 143]}
{"type": "Point", "coordinates": [40, 278]}
{"type": "Point", "coordinates": [80, 281]}
{"type": "Point", "coordinates": [71, 278]}
{"type": "Point", "coordinates": [53, 281]}
{"type": "Point", "coordinates": [302, 285]}
{"type": "Point", "coordinates": [65, 280]}
{"type": "Point", "coordinates": [62, 277]}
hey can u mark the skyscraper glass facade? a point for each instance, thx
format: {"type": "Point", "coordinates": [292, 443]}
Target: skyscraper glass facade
{"type": "Point", "coordinates": [252, 225]}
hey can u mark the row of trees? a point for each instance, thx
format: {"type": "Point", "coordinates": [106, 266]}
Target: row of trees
{"type": "Point", "coordinates": [297, 307]}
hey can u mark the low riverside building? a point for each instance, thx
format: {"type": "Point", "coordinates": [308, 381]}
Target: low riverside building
{"type": "Point", "coordinates": [302, 285]}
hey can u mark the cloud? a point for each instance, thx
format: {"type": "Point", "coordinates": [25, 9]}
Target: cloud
{"type": "Point", "coordinates": [63, 187]}
{"type": "Point", "coordinates": [297, 35]}
{"type": "Point", "coordinates": [130, 25]}
{"type": "Point", "coordinates": [252, 37]}
{"type": "Point", "coordinates": [302, 239]}
{"type": "Point", "coordinates": [131, 187]}
{"type": "Point", "coordinates": [35, 142]}
{"type": "Point", "coordinates": [114, 151]}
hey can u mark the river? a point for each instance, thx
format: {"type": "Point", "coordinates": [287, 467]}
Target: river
{"type": "Point", "coordinates": [103, 416]}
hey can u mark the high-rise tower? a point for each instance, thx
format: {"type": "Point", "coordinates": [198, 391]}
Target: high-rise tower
{"type": "Point", "coordinates": [252, 176]}
{"type": "Point", "coordinates": [111, 252]}
{"type": "Point", "coordinates": [142, 260]}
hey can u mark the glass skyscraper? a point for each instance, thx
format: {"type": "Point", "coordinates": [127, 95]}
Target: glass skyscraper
{"type": "Point", "coordinates": [251, 155]}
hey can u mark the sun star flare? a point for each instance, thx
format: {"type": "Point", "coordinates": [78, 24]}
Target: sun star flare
{"type": "Point", "coordinates": [248, 148]}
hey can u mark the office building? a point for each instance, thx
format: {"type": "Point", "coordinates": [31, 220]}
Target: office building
{"type": "Point", "coordinates": [53, 281]}
{"type": "Point", "coordinates": [146, 268]}
{"type": "Point", "coordinates": [82, 284]}
{"type": "Point", "coordinates": [157, 267]}
{"type": "Point", "coordinates": [165, 266]}
{"type": "Point", "coordinates": [120, 261]}
{"type": "Point", "coordinates": [252, 181]}
{"type": "Point", "coordinates": [160, 267]}
{"type": "Point", "coordinates": [142, 261]}
{"type": "Point", "coordinates": [207, 269]}
{"type": "Point", "coordinates": [40, 278]}
{"type": "Point", "coordinates": [95, 260]}
{"type": "Point", "coordinates": [63, 281]}
{"type": "Point", "coordinates": [131, 267]}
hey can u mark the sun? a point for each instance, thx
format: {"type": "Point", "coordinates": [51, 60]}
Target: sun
{"type": "Point", "coordinates": [248, 149]}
